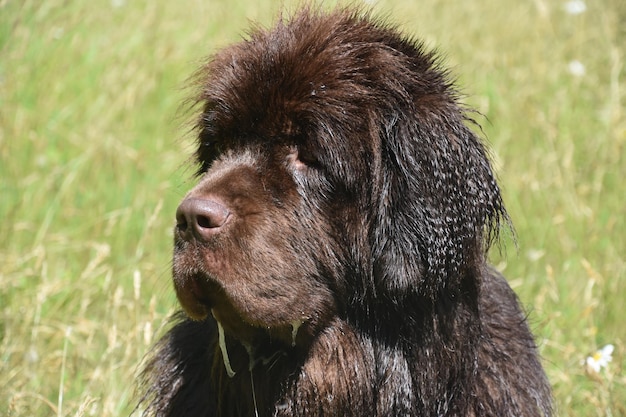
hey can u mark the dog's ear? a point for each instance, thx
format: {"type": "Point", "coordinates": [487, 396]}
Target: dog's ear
{"type": "Point", "coordinates": [439, 205]}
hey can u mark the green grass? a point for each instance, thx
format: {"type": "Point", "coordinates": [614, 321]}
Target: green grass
{"type": "Point", "coordinates": [92, 166]}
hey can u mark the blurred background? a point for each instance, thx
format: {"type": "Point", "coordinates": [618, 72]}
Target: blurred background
{"type": "Point", "coordinates": [94, 160]}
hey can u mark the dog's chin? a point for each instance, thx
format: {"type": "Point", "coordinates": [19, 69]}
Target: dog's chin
{"type": "Point", "coordinates": [200, 297]}
{"type": "Point", "coordinates": [195, 296]}
{"type": "Point", "coordinates": [195, 310]}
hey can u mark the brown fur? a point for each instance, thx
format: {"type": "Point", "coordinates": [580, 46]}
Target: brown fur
{"type": "Point", "coordinates": [338, 234]}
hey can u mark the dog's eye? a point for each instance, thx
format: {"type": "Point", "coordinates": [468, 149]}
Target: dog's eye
{"type": "Point", "coordinates": [306, 158]}
{"type": "Point", "coordinates": [209, 149]}
{"type": "Point", "coordinates": [293, 159]}
{"type": "Point", "coordinates": [300, 157]}
{"type": "Point", "coordinates": [207, 153]}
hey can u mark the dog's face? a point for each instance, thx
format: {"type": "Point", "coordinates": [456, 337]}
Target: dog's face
{"type": "Point", "coordinates": [265, 238]}
{"type": "Point", "coordinates": [253, 244]}
{"type": "Point", "coordinates": [337, 178]}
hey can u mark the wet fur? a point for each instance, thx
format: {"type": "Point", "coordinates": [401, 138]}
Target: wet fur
{"type": "Point", "coordinates": [364, 207]}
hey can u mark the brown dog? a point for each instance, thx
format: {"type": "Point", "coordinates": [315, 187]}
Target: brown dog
{"type": "Point", "coordinates": [331, 259]}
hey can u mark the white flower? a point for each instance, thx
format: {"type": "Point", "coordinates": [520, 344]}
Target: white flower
{"type": "Point", "coordinates": [600, 359]}
{"type": "Point", "coordinates": [575, 7]}
{"type": "Point", "coordinates": [576, 68]}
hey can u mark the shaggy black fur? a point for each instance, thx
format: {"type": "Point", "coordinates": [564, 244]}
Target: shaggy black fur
{"type": "Point", "coordinates": [336, 240]}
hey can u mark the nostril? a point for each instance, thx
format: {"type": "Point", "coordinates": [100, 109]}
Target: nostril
{"type": "Point", "coordinates": [181, 220]}
{"type": "Point", "coordinates": [207, 222]}
{"type": "Point", "coordinates": [197, 217]}
{"type": "Point", "coordinates": [204, 222]}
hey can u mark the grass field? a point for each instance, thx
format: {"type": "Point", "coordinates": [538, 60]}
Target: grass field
{"type": "Point", "coordinates": [93, 163]}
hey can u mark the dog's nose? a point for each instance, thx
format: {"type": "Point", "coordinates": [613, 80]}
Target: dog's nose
{"type": "Point", "coordinates": [200, 218]}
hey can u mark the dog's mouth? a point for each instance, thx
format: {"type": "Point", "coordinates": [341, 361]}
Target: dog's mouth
{"type": "Point", "coordinates": [197, 295]}
{"type": "Point", "coordinates": [201, 296]}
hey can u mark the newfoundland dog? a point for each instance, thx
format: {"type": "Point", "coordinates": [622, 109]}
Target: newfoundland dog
{"type": "Point", "coordinates": [331, 260]}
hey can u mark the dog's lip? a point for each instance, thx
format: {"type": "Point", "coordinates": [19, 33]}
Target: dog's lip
{"type": "Point", "coordinates": [201, 295]}
{"type": "Point", "coordinates": [197, 294]}
{"type": "Point", "coordinates": [199, 288]}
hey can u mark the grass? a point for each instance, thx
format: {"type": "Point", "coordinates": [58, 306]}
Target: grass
{"type": "Point", "coordinates": [92, 166]}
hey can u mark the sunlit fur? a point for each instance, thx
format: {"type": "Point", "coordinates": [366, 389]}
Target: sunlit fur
{"type": "Point", "coordinates": [350, 279]}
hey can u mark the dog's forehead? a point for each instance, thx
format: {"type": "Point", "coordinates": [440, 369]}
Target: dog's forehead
{"type": "Point", "coordinates": [302, 74]}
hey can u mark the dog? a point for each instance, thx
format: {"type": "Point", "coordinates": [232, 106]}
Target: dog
{"type": "Point", "coordinates": [331, 260]}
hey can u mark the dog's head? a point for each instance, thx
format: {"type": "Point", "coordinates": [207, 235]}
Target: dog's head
{"type": "Point", "coordinates": [336, 171]}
